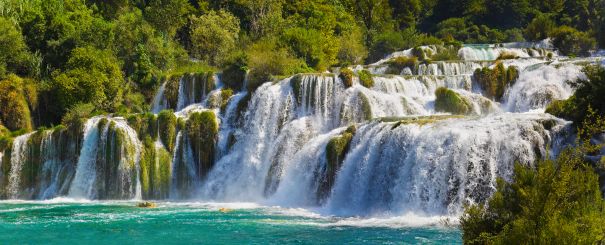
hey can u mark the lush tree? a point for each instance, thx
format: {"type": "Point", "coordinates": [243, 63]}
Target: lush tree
{"type": "Point", "coordinates": [14, 55]}
{"type": "Point", "coordinates": [571, 41]}
{"type": "Point", "coordinates": [539, 28]}
{"type": "Point", "coordinates": [406, 12]}
{"type": "Point", "coordinates": [214, 36]}
{"type": "Point", "coordinates": [91, 76]}
{"type": "Point", "coordinates": [167, 16]}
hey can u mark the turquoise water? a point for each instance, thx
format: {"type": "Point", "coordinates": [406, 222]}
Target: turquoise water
{"type": "Point", "coordinates": [178, 223]}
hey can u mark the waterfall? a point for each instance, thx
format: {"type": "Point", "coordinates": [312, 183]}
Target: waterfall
{"type": "Point", "coordinates": [81, 186]}
{"type": "Point", "coordinates": [108, 165]}
{"type": "Point", "coordinates": [311, 140]}
{"type": "Point", "coordinates": [536, 88]}
{"type": "Point", "coordinates": [18, 158]}
{"type": "Point", "coordinates": [159, 100]}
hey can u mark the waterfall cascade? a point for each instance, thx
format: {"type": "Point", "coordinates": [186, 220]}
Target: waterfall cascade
{"type": "Point", "coordinates": [310, 141]}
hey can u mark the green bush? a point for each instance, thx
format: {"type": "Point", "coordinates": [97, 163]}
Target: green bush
{"type": "Point", "coordinates": [266, 59]}
{"type": "Point", "coordinates": [77, 115]}
{"type": "Point", "coordinates": [366, 79]}
{"type": "Point", "coordinates": [346, 75]}
{"type": "Point", "coordinates": [572, 42]}
{"type": "Point", "coordinates": [449, 101]}
{"type": "Point", "coordinates": [234, 75]}
{"type": "Point", "coordinates": [507, 56]}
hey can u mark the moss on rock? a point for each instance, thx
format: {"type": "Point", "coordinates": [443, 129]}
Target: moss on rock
{"type": "Point", "coordinates": [366, 107]}
{"type": "Point", "coordinates": [202, 131]}
{"type": "Point", "coordinates": [494, 82]}
{"type": "Point", "coordinates": [346, 76]}
{"type": "Point", "coordinates": [450, 101]}
{"type": "Point", "coordinates": [167, 127]}
{"type": "Point", "coordinates": [336, 150]}
{"type": "Point", "coordinates": [396, 65]}
{"type": "Point", "coordinates": [155, 171]}
{"type": "Point", "coordinates": [366, 79]}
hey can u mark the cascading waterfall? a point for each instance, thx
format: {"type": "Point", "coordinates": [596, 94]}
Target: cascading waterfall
{"type": "Point", "coordinates": [18, 158]}
{"type": "Point", "coordinates": [309, 141]}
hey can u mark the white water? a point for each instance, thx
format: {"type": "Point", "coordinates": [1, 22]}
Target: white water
{"type": "Point", "coordinates": [159, 100]}
{"type": "Point", "coordinates": [275, 152]}
{"type": "Point", "coordinates": [18, 156]}
{"type": "Point", "coordinates": [81, 186]}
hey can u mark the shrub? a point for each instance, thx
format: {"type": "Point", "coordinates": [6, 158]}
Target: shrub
{"type": "Point", "coordinates": [234, 75]}
{"type": "Point", "coordinates": [346, 75]}
{"type": "Point", "coordinates": [507, 56]}
{"type": "Point", "coordinates": [318, 49]}
{"type": "Point", "coordinates": [92, 76]}
{"type": "Point", "coordinates": [77, 115]}
{"type": "Point", "coordinates": [267, 58]}
{"type": "Point", "coordinates": [449, 52]}
{"type": "Point", "coordinates": [366, 79]}
{"type": "Point", "coordinates": [449, 101]}
{"type": "Point", "coordinates": [572, 42]}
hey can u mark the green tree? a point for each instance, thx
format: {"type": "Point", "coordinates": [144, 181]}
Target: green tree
{"type": "Point", "coordinates": [14, 54]}
{"type": "Point", "coordinates": [539, 28]}
{"type": "Point", "coordinates": [167, 16]}
{"type": "Point", "coordinates": [571, 41]}
{"type": "Point", "coordinates": [91, 76]}
{"type": "Point", "coordinates": [214, 36]}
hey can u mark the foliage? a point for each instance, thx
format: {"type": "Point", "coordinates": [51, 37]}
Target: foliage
{"type": "Point", "coordinates": [14, 108]}
{"type": "Point", "coordinates": [589, 94]}
{"type": "Point", "coordinates": [77, 115]}
{"type": "Point", "coordinates": [571, 41]}
{"type": "Point", "coordinates": [14, 53]}
{"type": "Point", "coordinates": [266, 58]}
{"type": "Point", "coordinates": [449, 101]}
{"type": "Point", "coordinates": [556, 201]}
{"type": "Point", "coordinates": [214, 35]}
{"type": "Point", "coordinates": [167, 16]}
{"type": "Point", "coordinates": [539, 28]}
{"type": "Point", "coordinates": [91, 76]}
